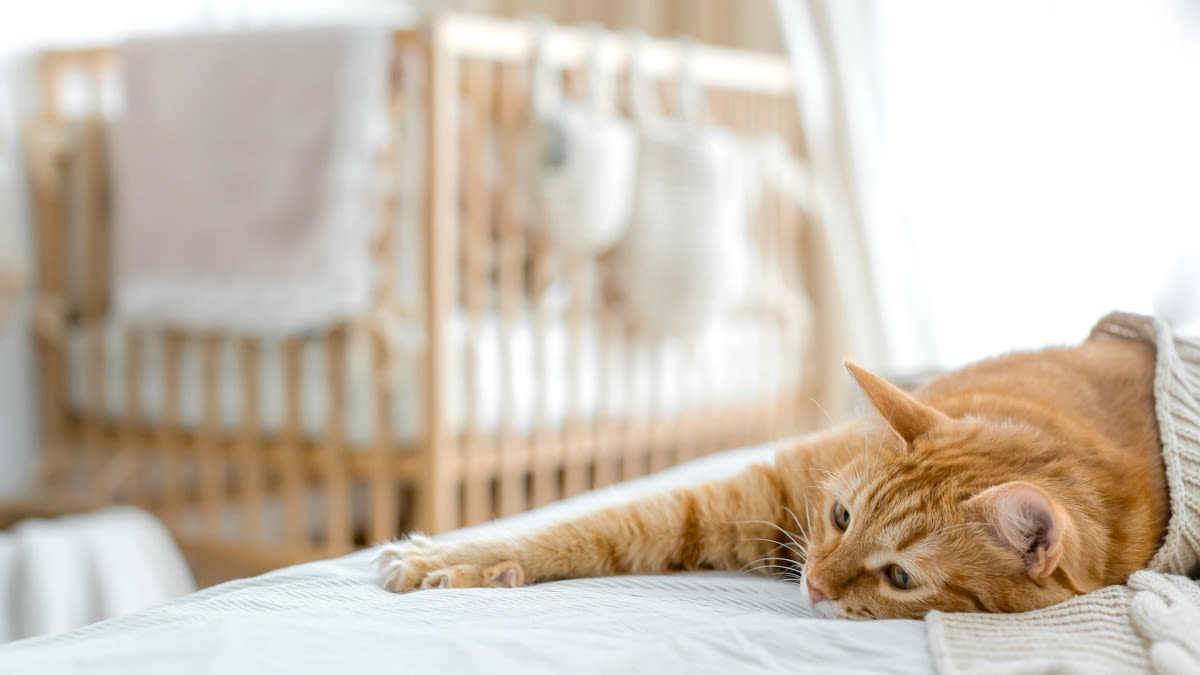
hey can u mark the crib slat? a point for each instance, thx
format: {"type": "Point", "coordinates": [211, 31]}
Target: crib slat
{"type": "Point", "coordinates": [130, 416]}
{"type": "Point", "coordinates": [292, 483]}
{"type": "Point", "coordinates": [210, 462]}
{"type": "Point", "coordinates": [576, 449]}
{"type": "Point", "coordinates": [606, 433]}
{"type": "Point", "coordinates": [574, 443]}
{"type": "Point", "coordinates": [653, 446]}
{"type": "Point", "coordinates": [96, 226]}
{"type": "Point", "coordinates": [476, 246]}
{"type": "Point", "coordinates": [784, 376]}
{"type": "Point", "coordinates": [546, 445]}
{"type": "Point", "coordinates": [436, 504]}
{"type": "Point", "coordinates": [660, 424]}
{"type": "Point", "coordinates": [807, 414]}
{"type": "Point", "coordinates": [786, 408]}
{"type": "Point", "coordinates": [763, 239]}
{"type": "Point", "coordinates": [172, 483]}
{"type": "Point", "coordinates": [383, 494]}
{"type": "Point", "coordinates": [90, 190]}
{"type": "Point", "coordinates": [623, 435]}
{"type": "Point", "coordinates": [47, 163]}
{"type": "Point", "coordinates": [510, 115]}
{"type": "Point", "coordinates": [383, 520]}
{"type": "Point", "coordinates": [250, 464]}
{"type": "Point", "coordinates": [717, 425]}
{"type": "Point", "coordinates": [744, 112]}
{"type": "Point", "coordinates": [632, 447]}
{"type": "Point", "coordinates": [337, 488]}
{"type": "Point", "coordinates": [94, 455]}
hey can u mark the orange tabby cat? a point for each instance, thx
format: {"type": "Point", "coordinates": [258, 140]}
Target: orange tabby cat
{"type": "Point", "coordinates": [1009, 485]}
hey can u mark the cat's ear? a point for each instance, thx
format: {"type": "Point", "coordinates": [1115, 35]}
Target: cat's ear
{"type": "Point", "coordinates": [906, 415]}
{"type": "Point", "coordinates": [1023, 516]}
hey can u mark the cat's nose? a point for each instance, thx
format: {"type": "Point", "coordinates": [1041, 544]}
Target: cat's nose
{"type": "Point", "coordinates": [815, 594]}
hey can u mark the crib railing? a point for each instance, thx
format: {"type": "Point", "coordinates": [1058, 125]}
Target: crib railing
{"type": "Point", "coordinates": [458, 109]}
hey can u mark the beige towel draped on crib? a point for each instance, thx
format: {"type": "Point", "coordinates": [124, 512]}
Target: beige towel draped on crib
{"type": "Point", "coordinates": [245, 191]}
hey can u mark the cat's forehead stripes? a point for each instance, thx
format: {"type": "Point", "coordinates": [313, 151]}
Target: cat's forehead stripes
{"type": "Point", "coordinates": [879, 559]}
{"type": "Point", "coordinates": [850, 483]}
{"type": "Point", "coordinates": [900, 534]}
{"type": "Point", "coordinates": [885, 497]}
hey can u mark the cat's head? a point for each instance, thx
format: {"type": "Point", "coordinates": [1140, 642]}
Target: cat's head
{"type": "Point", "coordinates": [939, 515]}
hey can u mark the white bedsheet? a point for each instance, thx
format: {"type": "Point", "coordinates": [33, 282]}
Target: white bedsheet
{"type": "Point", "coordinates": [331, 616]}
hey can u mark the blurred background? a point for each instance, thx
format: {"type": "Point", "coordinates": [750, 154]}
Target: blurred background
{"type": "Point", "coordinates": [281, 272]}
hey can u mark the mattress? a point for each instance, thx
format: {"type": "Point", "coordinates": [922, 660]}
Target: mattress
{"type": "Point", "coordinates": [529, 372]}
{"type": "Point", "coordinates": [331, 616]}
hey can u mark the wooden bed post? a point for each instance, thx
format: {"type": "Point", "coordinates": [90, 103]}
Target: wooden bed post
{"type": "Point", "coordinates": [436, 501]}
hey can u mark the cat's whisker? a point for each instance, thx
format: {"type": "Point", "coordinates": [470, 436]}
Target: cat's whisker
{"type": "Point", "coordinates": [770, 557]}
{"type": "Point", "coordinates": [845, 445]}
{"type": "Point", "coordinates": [789, 564]}
{"type": "Point", "coordinates": [764, 567]}
{"type": "Point", "coordinates": [774, 525]}
{"type": "Point", "coordinates": [800, 555]}
{"type": "Point", "coordinates": [803, 531]}
{"type": "Point", "coordinates": [826, 472]}
{"type": "Point", "coordinates": [808, 513]}
{"type": "Point", "coordinates": [791, 547]}
{"type": "Point", "coordinates": [822, 409]}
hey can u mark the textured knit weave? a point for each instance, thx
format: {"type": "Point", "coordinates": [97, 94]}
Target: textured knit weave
{"type": "Point", "coordinates": [1153, 623]}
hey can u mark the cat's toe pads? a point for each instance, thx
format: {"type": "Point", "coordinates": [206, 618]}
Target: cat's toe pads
{"type": "Point", "coordinates": [416, 563]}
{"type": "Point", "coordinates": [507, 574]}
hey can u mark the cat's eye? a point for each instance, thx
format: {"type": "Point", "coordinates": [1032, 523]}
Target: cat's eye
{"type": "Point", "coordinates": [841, 517]}
{"type": "Point", "coordinates": [900, 578]}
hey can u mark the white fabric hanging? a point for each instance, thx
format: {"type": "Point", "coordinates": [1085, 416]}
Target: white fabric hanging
{"type": "Point", "coordinates": [685, 257]}
{"type": "Point", "coordinates": [583, 155]}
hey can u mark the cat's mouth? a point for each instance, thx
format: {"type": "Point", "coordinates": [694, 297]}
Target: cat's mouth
{"type": "Point", "coordinates": [823, 608]}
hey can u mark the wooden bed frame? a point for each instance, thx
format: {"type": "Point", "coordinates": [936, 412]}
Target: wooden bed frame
{"type": "Point", "coordinates": [475, 260]}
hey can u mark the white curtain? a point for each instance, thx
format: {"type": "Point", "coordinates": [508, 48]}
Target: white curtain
{"type": "Point", "coordinates": [1048, 161]}
{"type": "Point", "coordinates": [1015, 169]}
{"type": "Point", "coordinates": [832, 48]}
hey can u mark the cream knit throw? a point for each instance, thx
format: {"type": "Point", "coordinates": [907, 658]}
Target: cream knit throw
{"type": "Point", "coordinates": [1153, 623]}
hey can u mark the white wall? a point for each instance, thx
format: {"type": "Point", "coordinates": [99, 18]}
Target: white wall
{"type": "Point", "coordinates": [17, 411]}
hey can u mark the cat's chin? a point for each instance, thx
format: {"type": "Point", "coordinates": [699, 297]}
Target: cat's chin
{"type": "Point", "coordinates": [826, 609]}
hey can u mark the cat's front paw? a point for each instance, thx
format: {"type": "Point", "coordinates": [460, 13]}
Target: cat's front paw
{"type": "Point", "coordinates": [416, 562]}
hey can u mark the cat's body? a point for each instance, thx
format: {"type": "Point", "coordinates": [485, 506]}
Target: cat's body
{"type": "Point", "coordinates": [1012, 484]}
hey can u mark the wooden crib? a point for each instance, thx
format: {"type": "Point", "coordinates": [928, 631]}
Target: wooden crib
{"type": "Point", "coordinates": [243, 495]}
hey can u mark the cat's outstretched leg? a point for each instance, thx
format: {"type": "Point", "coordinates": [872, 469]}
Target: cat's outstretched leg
{"type": "Point", "coordinates": [733, 524]}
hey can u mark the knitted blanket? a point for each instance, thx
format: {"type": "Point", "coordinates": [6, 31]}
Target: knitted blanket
{"type": "Point", "coordinates": [1150, 625]}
